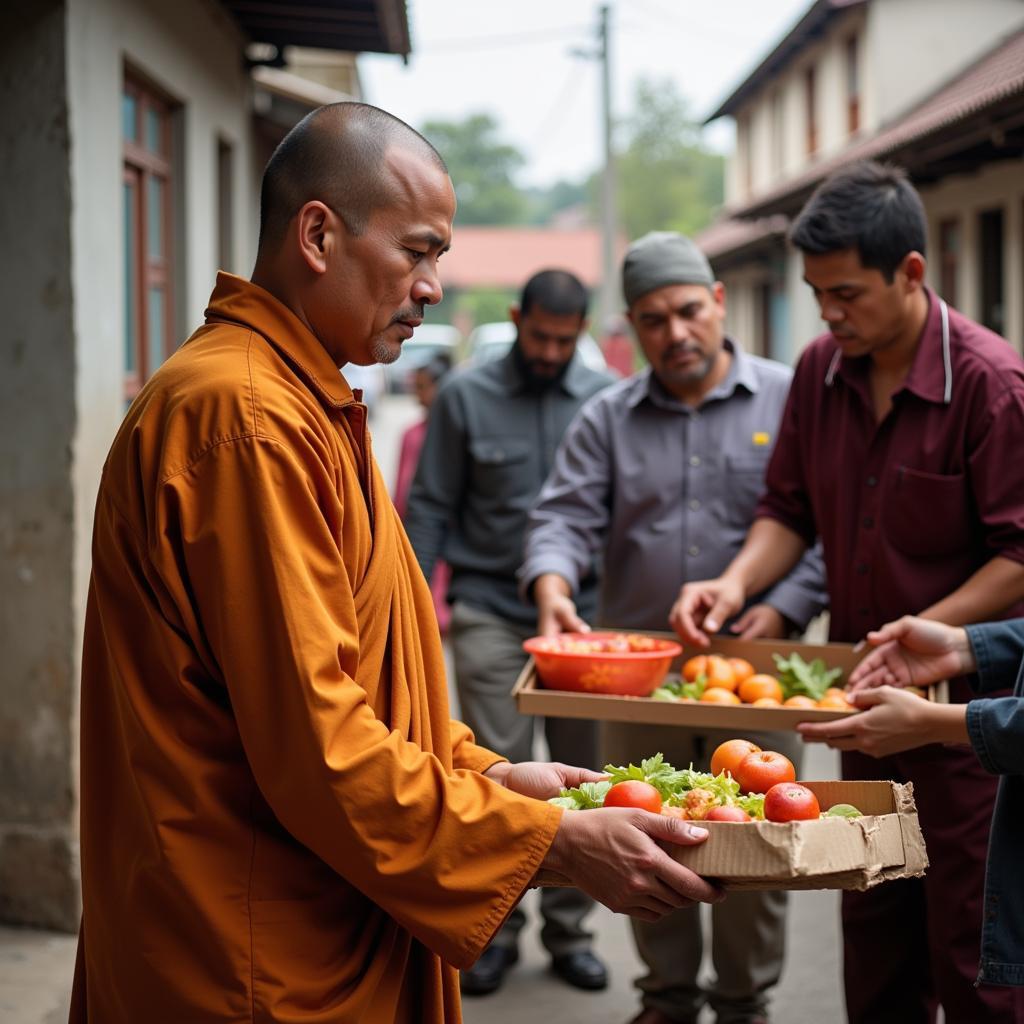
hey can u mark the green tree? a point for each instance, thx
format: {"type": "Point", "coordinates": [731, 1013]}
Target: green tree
{"type": "Point", "coordinates": [481, 168]}
{"type": "Point", "coordinates": [668, 180]}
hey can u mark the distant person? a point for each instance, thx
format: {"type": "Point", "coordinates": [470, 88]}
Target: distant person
{"type": "Point", "coordinates": [491, 439]}
{"type": "Point", "coordinates": [899, 449]}
{"type": "Point", "coordinates": [425, 382]}
{"type": "Point", "coordinates": [658, 478]}
{"type": "Point", "coordinates": [279, 820]}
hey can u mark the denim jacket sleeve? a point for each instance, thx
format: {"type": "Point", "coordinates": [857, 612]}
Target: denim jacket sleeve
{"type": "Point", "coordinates": [996, 725]}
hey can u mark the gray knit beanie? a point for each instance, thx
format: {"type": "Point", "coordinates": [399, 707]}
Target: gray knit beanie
{"type": "Point", "coordinates": [661, 258]}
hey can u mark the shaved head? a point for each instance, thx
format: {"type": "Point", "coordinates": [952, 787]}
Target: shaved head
{"type": "Point", "coordinates": [335, 155]}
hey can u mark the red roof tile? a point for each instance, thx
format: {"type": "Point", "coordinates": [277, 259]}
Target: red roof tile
{"type": "Point", "coordinates": [491, 257]}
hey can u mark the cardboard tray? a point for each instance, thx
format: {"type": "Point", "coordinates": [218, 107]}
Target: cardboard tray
{"type": "Point", "coordinates": [830, 853]}
{"type": "Point", "coordinates": [532, 698]}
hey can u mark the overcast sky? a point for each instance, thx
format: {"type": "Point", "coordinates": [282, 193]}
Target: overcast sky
{"type": "Point", "coordinates": [515, 61]}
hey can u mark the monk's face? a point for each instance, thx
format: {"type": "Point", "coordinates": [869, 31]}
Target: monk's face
{"type": "Point", "coordinates": [381, 279]}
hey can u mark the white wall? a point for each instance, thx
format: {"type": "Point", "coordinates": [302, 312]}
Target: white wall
{"type": "Point", "coordinates": [915, 46]}
{"type": "Point", "coordinates": [191, 50]}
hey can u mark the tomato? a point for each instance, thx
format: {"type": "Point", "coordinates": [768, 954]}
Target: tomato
{"type": "Point", "coordinates": [789, 801]}
{"type": "Point", "coordinates": [719, 695]}
{"type": "Point", "coordinates": [799, 700]}
{"type": "Point", "coordinates": [758, 686]}
{"type": "Point", "coordinates": [729, 754]}
{"type": "Point", "coordinates": [741, 669]}
{"type": "Point", "coordinates": [634, 793]}
{"type": "Point", "coordinates": [757, 773]}
{"type": "Point", "coordinates": [714, 668]}
{"type": "Point", "coordinates": [727, 814]}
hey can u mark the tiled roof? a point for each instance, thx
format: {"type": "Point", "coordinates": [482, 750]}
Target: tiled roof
{"type": "Point", "coordinates": [731, 235]}
{"type": "Point", "coordinates": [505, 257]}
{"type": "Point", "coordinates": [995, 78]}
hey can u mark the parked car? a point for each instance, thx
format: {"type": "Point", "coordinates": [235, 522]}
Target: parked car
{"type": "Point", "coordinates": [493, 340]}
{"type": "Point", "coordinates": [427, 342]}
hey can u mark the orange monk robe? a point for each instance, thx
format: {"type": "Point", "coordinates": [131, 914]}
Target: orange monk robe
{"type": "Point", "coordinates": [279, 820]}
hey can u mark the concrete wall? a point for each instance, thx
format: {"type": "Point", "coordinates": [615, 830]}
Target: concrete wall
{"type": "Point", "coordinates": [38, 866]}
{"type": "Point", "coordinates": [915, 46]}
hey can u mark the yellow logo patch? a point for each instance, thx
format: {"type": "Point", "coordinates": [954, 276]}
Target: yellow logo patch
{"type": "Point", "coordinates": [760, 438]}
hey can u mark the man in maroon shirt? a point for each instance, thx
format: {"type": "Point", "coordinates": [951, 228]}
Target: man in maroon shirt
{"type": "Point", "coordinates": [899, 447]}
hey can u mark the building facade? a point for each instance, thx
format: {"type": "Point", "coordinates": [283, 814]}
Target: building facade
{"type": "Point", "coordinates": [936, 87]}
{"type": "Point", "coordinates": [133, 134]}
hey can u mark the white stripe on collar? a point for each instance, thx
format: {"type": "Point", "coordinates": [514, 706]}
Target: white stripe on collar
{"type": "Point", "coordinates": [833, 368]}
{"type": "Point", "coordinates": [947, 362]}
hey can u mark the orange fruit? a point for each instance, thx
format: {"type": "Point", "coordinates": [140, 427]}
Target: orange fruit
{"type": "Point", "coordinates": [694, 667]}
{"type": "Point", "coordinates": [798, 700]}
{"type": "Point", "coordinates": [719, 695]}
{"type": "Point", "coordinates": [766, 702]}
{"type": "Point", "coordinates": [835, 702]}
{"type": "Point", "coordinates": [715, 669]}
{"type": "Point", "coordinates": [760, 685]}
{"type": "Point", "coordinates": [835, 689]}
{"type": "Point", "coordinates": [729, 754]}
{"type": "Point", "coordinates": [741, 669]}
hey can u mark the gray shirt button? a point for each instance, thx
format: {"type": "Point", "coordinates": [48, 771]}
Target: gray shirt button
{"type": "Point", "coordinates": [694, 460]}
{"type": "Point", "coordinates": [693, 551]}
{"type": "Point", "coordinates": [694, 504]}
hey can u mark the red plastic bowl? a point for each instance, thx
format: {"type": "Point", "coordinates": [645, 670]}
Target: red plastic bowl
{"type": "Point", "coordinates": [622, 673]}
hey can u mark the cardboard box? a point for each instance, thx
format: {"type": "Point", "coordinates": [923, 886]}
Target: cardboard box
{"type": "Point", "coordinates": [533, 699]}
{"type": "Point", "coordinates": [830, 853]}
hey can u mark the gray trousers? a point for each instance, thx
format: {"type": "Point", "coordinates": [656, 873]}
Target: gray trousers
{"type": "Point", "coordinates": [488, 657]}
{"type": "Point", "coordinates": [748, 929]}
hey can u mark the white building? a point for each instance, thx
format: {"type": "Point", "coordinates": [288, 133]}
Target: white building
{"type": "Point", "coordinates": [935, 86]}
{"type": "Point", "coordinates": [132, 135]}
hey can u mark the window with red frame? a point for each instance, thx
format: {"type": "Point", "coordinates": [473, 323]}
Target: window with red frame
{"type": "Point", "coordinates": [147, 196]}
{"type": "Point", "coordinates": [811, 109]}
{"type": "Point", "coordinates": [852, 86]}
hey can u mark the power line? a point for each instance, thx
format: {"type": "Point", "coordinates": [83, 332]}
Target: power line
{"type": "Point", "coordinates": [501, 41]}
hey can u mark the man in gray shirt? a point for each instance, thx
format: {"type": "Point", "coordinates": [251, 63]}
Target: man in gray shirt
{"type": "Point", "coordinates": [491, 439]}
{"type": "Point", "coordinates": [659, 476]}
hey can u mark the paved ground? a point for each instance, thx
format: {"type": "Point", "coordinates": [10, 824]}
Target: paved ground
{"type": "Point", "coordinates": [36, 967]}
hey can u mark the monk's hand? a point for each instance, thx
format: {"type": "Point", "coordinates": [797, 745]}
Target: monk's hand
{"type": "Point", "coordinates": [892, 720]}
{"type": "Point", "coordinates": [615, 855]}
{"type": "Point", "coordinates": [541, 779]}
{"type": "Point", "coordinates": [913, 652]}
{"type": "Point", "coordinates": [556, 610]}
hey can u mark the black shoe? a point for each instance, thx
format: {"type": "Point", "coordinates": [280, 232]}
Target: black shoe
{"type": "Point", "coordinates": [581, 970]}
{"type": "Point", "coordinates": [487, 974]}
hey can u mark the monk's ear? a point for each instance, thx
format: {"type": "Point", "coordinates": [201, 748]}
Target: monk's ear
{"type": "Point", "coordinates": [315, 224]}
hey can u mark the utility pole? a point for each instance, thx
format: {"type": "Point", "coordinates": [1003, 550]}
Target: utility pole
{"type": "Point", "coordinates": [608, 300]}
{"type": "Point", "coordinates": [609, 213]}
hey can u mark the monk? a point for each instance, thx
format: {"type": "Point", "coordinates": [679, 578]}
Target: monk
{"type": "Point", "coordinates": [279, 820]}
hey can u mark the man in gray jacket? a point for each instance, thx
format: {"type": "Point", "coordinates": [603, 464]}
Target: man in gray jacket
{"type": "Point", "coordinates": [491, 439]}
{"type": "Point", "coordinates": [659, 476]}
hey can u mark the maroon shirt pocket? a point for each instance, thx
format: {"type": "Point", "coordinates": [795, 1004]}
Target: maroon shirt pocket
{"type": "Point", "coordinates": [928, 514]}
